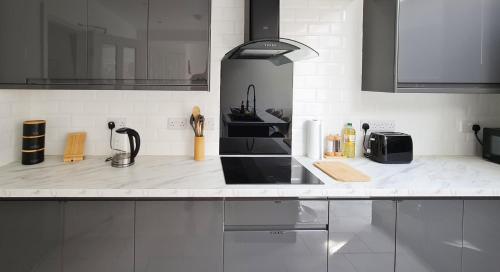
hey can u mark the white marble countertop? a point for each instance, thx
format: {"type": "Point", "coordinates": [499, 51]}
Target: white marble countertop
{"type": "Point", "coordinates": [170, 177]}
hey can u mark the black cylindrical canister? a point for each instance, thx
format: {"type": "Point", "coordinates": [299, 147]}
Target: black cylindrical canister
{"type": "Point", "coordinates": [30, 157]}
{"type": "Point", "coordinates": [34, 128]}
{"type": "Point", "coordinates": [33, 142]}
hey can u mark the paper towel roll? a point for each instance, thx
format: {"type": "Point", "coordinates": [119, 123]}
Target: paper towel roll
{"type": "Point", "coordinates": [314, 142]}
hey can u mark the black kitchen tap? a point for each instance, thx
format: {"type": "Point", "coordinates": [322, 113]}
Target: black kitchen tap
{"type": "Point", "coordinates": [254, 106]}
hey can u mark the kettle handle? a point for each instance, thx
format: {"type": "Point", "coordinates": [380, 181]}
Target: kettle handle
{"type": "Point", "coordinates": [133, 136]}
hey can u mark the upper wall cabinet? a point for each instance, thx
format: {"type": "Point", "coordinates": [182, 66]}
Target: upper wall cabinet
{"type": "Point", "coordinates": [104, 44]}
{"type": "Point", "coordinates": [431, 46]}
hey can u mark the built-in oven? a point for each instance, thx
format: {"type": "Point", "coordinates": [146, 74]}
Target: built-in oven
{"type": "Point", "coordinates": [275, 235]}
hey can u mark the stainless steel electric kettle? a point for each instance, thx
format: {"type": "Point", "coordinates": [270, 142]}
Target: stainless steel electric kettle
{"type": "Point", "coordinates": [125, 156]}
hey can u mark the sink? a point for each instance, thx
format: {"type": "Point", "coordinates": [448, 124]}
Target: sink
{"type": "Point", "coordinates": [245, 118]}
{"type": "Point", "coordinates": [236, 116]}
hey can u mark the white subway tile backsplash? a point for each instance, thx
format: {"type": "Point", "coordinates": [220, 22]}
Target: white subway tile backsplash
{"type": "Point", "coordinates": [326, 88]}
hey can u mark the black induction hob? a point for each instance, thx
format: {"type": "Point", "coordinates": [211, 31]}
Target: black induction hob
{"type": "Point", "coordinates": [266, 170]}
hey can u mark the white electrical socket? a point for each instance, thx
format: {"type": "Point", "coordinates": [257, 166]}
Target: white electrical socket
{"type": "Point", "coordinates": [177, 123]}
{"type": "Point", "coordinates": [379, 125]}
{"type": "Point", "coordinates": [120, 122]}
{"type": "Point", "coordinates": [465, 126]}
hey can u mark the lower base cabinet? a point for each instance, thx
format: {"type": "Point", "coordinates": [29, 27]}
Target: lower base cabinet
{"type": "Point", "coordinates": [362, 236]}
{"type": "Point", "coordinates": [179, 236]}
{"type": "Point", "coordinates": [429, 236]}
{"type": "Point", "coordinates": [481, 243]}
{"type": "Point", "coordinates": [30, 236]}
{"type": "Point", "coordinates": [275, 251]}
{"type": "Point", "coordinates": [98, 236]}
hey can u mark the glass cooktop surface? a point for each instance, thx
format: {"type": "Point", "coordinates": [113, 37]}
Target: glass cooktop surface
{"type": "Point", "coordinates": [266, 170]}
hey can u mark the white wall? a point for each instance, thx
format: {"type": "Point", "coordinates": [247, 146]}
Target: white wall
{"type": "Point", "coordinates": [327, 87]}
{"type": "Point", "coordinates": [13, 109]}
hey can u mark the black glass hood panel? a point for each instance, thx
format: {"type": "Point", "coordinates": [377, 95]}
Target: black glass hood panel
{"type": "Point", "coordinates": [278, 51]}
{"type": "Point", "coordinates": [266, 170]}
{"type": "Point", "coordinates": [256, 100]}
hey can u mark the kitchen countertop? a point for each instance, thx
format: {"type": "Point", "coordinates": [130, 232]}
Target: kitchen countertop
{"type": "Point", "coordinates": [171, 176]}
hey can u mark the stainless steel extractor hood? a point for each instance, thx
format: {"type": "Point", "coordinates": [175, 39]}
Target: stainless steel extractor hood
{"type": "Point", "coordinates": [262, 36]}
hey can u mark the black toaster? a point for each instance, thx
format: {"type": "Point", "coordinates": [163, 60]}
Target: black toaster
{"type": "Point", "coordinates": [390, 147]}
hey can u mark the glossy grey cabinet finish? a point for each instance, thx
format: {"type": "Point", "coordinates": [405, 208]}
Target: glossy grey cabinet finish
{"type": "Point", "coordinates": [179, 41]}
{"type": "Point", "coordinates": [117, 39]}
{"type": "Point", "coordinates": [445, 47]}
{"type": "Point", "coordinates": [276, 212]}
{"type": "Point", "coordinates": [104, 44]}
{"type": "Point", "coordinates": [429, 235]}
{"type": "Point", "coordinates": [362, 236]}
{"type": "Point", "coordinates": [181, 236]}
{"type": "Point", "coordinates": [30, 236]}
{"type": "Point", "coordinates": [431, 46]}
{"type": "Point", "coordinates": [98, 236]}
{"type": "Point", "coordinates": [481, 241]}
{"type": "Point", "coordinates": [42, 39]}
{"type": "Point", "coordinates": [275, 251]}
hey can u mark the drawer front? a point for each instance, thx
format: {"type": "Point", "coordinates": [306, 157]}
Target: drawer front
{"type": "Point", "coordinates": [276, 212]}
{"type": "Point", "coordinates": [276, 251]}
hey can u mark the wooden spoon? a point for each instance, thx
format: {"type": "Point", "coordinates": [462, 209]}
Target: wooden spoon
{"type": "Point", "coordinates": [196, 112]}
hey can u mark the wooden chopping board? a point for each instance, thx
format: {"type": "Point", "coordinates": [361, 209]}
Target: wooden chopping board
{"type": "Point", "coordinates": [341, 171]}
{"type": "Point", "coordinates": [75, 147]}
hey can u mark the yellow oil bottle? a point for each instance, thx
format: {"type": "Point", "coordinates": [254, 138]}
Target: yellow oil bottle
{"type": "Point", "coordinates": [349, 141]}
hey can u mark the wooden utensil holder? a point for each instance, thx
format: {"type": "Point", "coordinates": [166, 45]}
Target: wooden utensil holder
{"type": "Point", "coordinates": [199, 148]}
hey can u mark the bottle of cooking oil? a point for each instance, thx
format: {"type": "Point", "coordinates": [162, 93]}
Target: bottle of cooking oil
{"type": "Point", "coordinates": [349, 141]}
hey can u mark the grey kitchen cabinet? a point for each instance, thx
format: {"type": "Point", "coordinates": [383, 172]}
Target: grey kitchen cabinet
{"type": "Point", "coordinates": [179, 42]}
{"type": "Point", "coordinates": [117, 37]}
{"type": "Point", "coordinates": [431, 46]}
{"type": "Point", "coordinates": [362, 236]}
{"type": "Point", "coordinates": [181, 236]}
{"type": "Point", "coordinates": [481, 239]}
{"type": "Point", "coordinates": [30, 236]}
{"type": "Point", "coordinates": [104, 44]}
{"type": "Point", "coordinates": [276, 251]}
{"type": "Point", "coordinates": [429, 235]}
{"type": "Point", "coordinates": [98, 236]}
{"type": "Point", "coordinates": [42, 39]}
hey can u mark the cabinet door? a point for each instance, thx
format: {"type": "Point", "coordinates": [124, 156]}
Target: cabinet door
{"type": "Point", "coordinates": [98, 236]}
{"type": "Point", "coordinates": [42, 39]}
{"type": "Point", "coordinates": [179, 41]}
{"type": "Point", "coordinates": [440, 41]}
{"type": "Point", "coordinates": [275, 251]}
{"type": "Point", "coordinates": [30, 236]}
{"type": "Point", "coordinates": [362, 236]}
{"type": "Point", "coordinates": [117, 35]}
{"type": "Point", "coordinates": [429, 236]}
{"type": "Point", "coordinates": [481, 250]}
{"type": "Point", "coordinates": [490, 54]}
{"type": "Point", "coordinates": [181, 236]}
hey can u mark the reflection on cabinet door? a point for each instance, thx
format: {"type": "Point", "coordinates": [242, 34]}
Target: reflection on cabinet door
{"type": "Point", "coordinates": [98, 236]}
{"type": "Point", "coordinates": [275, 251]}
{"type": "Point", "coordinates": [30, 236]}
{"type": "Point", "coordinates": [179, 40]}
{"type": "Point", "coordinates": [440, 41]}
{"type": "Point", "coordinates": [180, 236]}
{"type": "Point", "coordinates": [42, 39]}
{"type": "Point", "coordinates": [429, 236]}
{"type": "Point", "coordinates": [481, 235]}
{"type": "Point", "coordinates": [117, 33]}
{"type": "Point", "coordinates": [362, 236]}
